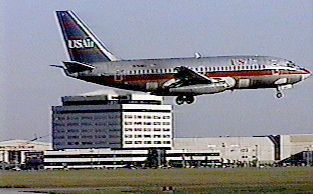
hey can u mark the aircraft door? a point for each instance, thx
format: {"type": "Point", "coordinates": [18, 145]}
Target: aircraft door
{"type": "Point", "coordinates": [119, 75]}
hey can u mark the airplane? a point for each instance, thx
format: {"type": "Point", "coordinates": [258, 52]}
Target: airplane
{"type": "Point", "coordinates": [91, 61]}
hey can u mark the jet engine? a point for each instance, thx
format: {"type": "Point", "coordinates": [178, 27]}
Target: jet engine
{"type": "Point", "coordinates": [199, 89]}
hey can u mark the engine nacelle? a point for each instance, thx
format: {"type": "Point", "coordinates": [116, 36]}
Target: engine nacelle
{"type": "Point", "coordinates": [200, 89]}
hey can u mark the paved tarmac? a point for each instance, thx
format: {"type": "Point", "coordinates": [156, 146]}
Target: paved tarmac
{"type": "Point", "coordinates": [46, 190]}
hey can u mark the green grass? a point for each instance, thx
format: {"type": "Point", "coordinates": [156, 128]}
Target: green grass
{"type": "Point", "coordinates": [202, 180]}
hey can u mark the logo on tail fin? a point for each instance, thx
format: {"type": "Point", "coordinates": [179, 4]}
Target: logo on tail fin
{"type": "Point", "coordinates": [82, 43]}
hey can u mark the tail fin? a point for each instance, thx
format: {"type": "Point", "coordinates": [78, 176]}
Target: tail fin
{"type": "Point", "coordinates": [82, 44]}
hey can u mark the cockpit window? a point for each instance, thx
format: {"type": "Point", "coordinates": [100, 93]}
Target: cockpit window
{"type": "Point", "coordinates": [290, 64]}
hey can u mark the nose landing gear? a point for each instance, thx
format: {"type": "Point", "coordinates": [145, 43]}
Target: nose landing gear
{"type": "Point", "coordinates": [279, 93]}
{"type": "Point", "coordinates": [182, 99]}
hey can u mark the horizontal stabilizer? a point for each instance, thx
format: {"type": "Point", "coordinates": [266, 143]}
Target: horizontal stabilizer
{"type": "Point", "coordinates": [75, 67]}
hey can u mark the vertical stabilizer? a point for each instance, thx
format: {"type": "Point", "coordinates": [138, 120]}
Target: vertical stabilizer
{"type": "Point", "coordinates": [82, 44]}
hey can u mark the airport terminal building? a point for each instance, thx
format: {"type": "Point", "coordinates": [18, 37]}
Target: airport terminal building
{"type": "Point", "coordinates": [206, 152]}
{"type": "Point", "coordinates": [112, 121]}
{"type": "Point", "coordinates": [103, 131]}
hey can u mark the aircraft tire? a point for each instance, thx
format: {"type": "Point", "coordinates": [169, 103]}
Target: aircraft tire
{"type": "Point", "coordinates": [180, 100]}
{"type": "Point", "coordinates": [279, 95]}
{"type": "Point", "coordinates": [189, 99]}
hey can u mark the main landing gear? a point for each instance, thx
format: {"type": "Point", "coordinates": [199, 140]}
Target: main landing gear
{"type": "Point", "coordinates": [188, 99]}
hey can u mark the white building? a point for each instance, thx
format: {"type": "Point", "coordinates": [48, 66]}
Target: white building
{"type": "Point", "coordinates": [112, 121]}
{"type": "Point", "coordinates": [17, 151]}
{"type": "Point", "coordinates": [107, 158]}
{"type": "Point", "coordinates": [242, 149]}
{"type": "Point", "coordinates": [263, 149]}
{"type": "Point", "coordinates": [295, 143]}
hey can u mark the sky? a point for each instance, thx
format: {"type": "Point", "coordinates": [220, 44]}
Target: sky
{"type": "Point", "coordinates": [139, 29]}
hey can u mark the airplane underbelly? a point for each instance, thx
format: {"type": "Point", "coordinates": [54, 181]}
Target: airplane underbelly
{"type": "Point", "coordinates": [260, 82]}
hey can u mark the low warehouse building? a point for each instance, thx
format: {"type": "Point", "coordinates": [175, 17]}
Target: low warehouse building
{"type": "Point", "coordinates": [107, 158]}
{"type": "Point", "coordinates": [19, 151]}
{"type": "Point", "coordinates": [260, 149]}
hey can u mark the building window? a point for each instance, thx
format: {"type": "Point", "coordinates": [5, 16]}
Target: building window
{"type": "Point", "coordinates": [137, 123]}
{"type": "Point", "coordinates": [138, 116]}
{"type": "Point", "coordinates": [73, 124]}
{"type": "Point", "coordinates": [128, 136]}
{"type": "Point", "coordinates": [73, 137]}
{"type": "Point", "coordinates": [73, 130]}
{"type": "Point", "coordinates": [99, 142]}
{"type": "Point", "coordinates": [166, 142]}
{"type": "Point", "coordinates": [157, 123]}
{"type": "Point", "coordinates": [157, 129]}
{"type": "Point", "coordinates": [128, 129]}
{"type": "Point", "coordinates": [157, 142]}
{"type": "Point", "coordinates": [128, 123]}
{"type": "Point", "coordinates": [147, 142]}
{"type": "Point", "coordinates": [86, 130]}
{"type": "Point", "coordinates": [138, 129]}
{"type": "Point", "coordinates": [156, 117]}
{"type": "Point", "coordinates": [166, 117]}
{"type": "Point", "coordinates": [157, 136]}
{"type": "Point", "coordinates": [147, 136]}
{"type": "Point", "coordinates": [147, 117]}
{"type": "Point", "coordinates": [87, 136]}
{"type": "Point", "coordinates": [166, 123]}
{"type": "Point", "coordinates": [138, 136]}
{"type": "Point", "coordinates": [166, 129]}
{"type": "Point", "coordinates": [72, 143]}
{"type": "Point", "coordinates": [166, 136]}
{"type": "Point", "coordinates": [59, 124]}
{"type": "Point", "coordinates": [128, 142]}
{"type": "Point", "coordinates": [100, 117]}
{"type": "Point", "coordinates": [147, 123]}
{"type": "Point", "coordinates": [100, 136]}
{"type": "Point", "coordinates": [147, 129]}
{"type": "Point", "coordinates": [138, 142]}
{"type": "Point", "coordinates": [102, 123]}
{"type": "Point", "coordinates": [85, 117]}
{"type": "Point", "coordinates": [128, 116]}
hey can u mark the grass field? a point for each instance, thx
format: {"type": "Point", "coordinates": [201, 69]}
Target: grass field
{"type": "Point", "coordinates": [202, 180]}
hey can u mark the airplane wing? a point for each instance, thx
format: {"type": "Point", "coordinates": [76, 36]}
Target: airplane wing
{"type": "Point", "coordinates": [189, 82]}
{"type": "Point", "coordinates": [186, 77]}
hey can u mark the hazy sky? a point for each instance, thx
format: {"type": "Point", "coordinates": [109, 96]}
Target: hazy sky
{"type": "Point", "coordinates": [31, 41]}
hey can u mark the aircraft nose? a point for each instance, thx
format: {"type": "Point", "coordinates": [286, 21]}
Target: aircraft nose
{"type": "Point", "coordinates": [306, 75]}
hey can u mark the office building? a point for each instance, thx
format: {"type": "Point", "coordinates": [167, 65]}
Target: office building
{"type": "Point", "coordinates": [130, 121]}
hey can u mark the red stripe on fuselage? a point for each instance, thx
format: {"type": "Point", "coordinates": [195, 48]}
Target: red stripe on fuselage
{"type": "Point", "coordinates": [234, 74]}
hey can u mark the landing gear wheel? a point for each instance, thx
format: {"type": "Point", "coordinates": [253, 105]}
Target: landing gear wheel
{"type": "Point", "coordinates": [189, 99]}
{"type": "Point", "coordinates": [180, 100]}
{"type": "Point", "coordinates": [279, 95]}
